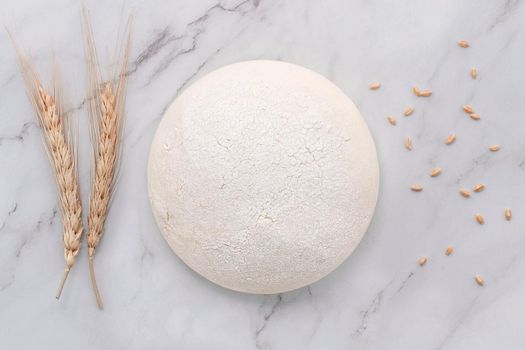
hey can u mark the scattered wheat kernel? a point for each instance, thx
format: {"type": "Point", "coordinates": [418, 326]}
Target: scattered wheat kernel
{"type": "Point", "coordinates": [480, 219]}
{"type": "Point", "coordinates": [508, 214]}
{"type": "Point", "coordinates": [468, 109]}
{"type": "Point", "coordinates": [449, 250]}
{"type": "Point", "coordinates": [479, 280]}
{"type": "Point", "coordinates": [463, 43]}
{"type": "Point", "coordinates": [474, 72]}
{"type": "Point", "coordinates": [416, 91]}
{"type": "Point", "coordinates": [374, 86]}
{"type": "Point", "coordinates": [422, 261]}
{"type": "Point", "coordinates": [494, 148]}
{"type": "Point", "coordinates": [435, 172]}
{"type": "Point", "coordinates": [416, 188]}
{"type": "Point", "coordinates": [408, 143]}
{"type": "Point", "coordinates": [479, 187]}
{"type": "Point", "coordinates": [464, 193]}
{"type": "Point", "coordinates": [474, 116]}
{"type": "Point", "coordinates": [408, 111]}
{"type": "Point", "coordinates": [392, 120]}
{"type": "Point", "coordinates": [425, 93]}
{"type": "Point", "coordinates": [450, 139]}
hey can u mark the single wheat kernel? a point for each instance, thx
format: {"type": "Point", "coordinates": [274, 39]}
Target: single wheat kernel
{"type": "Point", "coordinates": [479, 187]}
{"type": "Point", "coordinates": [425, 93]}
{"type": "Point", "coordinates": [468, 109]}
{"type": "Point", "coordinates": [474, 116]}
{"type": "Point", "coordinates": [480, 219]}
{"type": "Point", "coordinates": [450, 139]}
{"type": "Point", "coordinates": [422, 261]}
{"type": "Point", "coordinates": [463, 43]}
{"type": "Point", "coordinates": [474, 72]}
{"type": "Point", "coordinates": [494, 148]}
{"type": "Point", "coordinates": [374, 86]}
{"type": "Point", "coordinates": [392, 120]}
{"type": "Point", "coordinates": [435, 172]}
{"type": "Point", "coordinates": [416, 91]}
{"type": "Point", "coordinates": [508, 214]}
{"type": "Point", "coordinates": [464, 193]}
{"type": "Point", "coordinates": [479, 280]}
{"type": "Point", "coordinates": [449, 250]}
{"type": "Point", "coordinates": [416, 188]}
{"type": "Point", "coordinates": [408, 143]}
{"type": "Point", "coordinates": [408, 111]}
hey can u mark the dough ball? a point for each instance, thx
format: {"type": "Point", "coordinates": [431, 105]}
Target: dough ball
{"type": "Point", "coordinates": [263, 176]}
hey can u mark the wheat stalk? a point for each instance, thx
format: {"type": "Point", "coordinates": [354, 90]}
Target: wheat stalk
{"type": "Point", "coordinates": [62, 155]}
{"type": "Point", "coordinates": [106, 110]}
{"type": "Point", "coordinates": [104, 174]}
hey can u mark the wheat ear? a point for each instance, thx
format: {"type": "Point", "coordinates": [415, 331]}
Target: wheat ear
{"type": "Point", "coordinates": [106, 110]}
{"type": "Point", "coordinates": [62, 155]}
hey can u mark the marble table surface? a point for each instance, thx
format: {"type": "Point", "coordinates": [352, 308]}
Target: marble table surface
{"type": "Point", "coordinates": [380, 298]}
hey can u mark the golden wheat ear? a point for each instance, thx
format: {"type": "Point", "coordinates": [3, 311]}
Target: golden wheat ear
{"type": "Point", "coordinates": [56, 133]}
{"type": "Point", "coordinates": [106, 111]}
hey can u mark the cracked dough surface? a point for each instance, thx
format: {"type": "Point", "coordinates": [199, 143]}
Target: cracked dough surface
{"type": "Point", "coordinates": [263, 176]}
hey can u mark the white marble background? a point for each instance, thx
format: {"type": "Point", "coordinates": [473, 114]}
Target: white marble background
{"type": "Point", "coordinates": [379, 298]}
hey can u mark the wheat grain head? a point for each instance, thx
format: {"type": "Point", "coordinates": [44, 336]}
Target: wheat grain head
{"type": "Point", "coordinates": [61, 151]}
{"type": "Point", "coordinates": [106, 110]}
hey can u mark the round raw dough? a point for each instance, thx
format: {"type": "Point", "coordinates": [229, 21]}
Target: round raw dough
{"type": "Point", "coordinates": [263, 176]}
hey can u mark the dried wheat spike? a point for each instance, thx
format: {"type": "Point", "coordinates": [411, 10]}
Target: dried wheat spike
{"type": "Point", "coordinates": [62, 156]}
{"type": "Point", "coordinates": [106, 110]}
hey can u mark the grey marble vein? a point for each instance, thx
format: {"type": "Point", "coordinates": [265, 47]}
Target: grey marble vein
{"type": "Point", "coordinates": [266, 319]}
{"type": "Point", "coordinates": [19, 136]}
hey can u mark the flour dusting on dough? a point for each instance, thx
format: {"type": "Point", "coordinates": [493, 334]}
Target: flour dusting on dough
{"type": "Point", "coordinates": [263, 176]}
